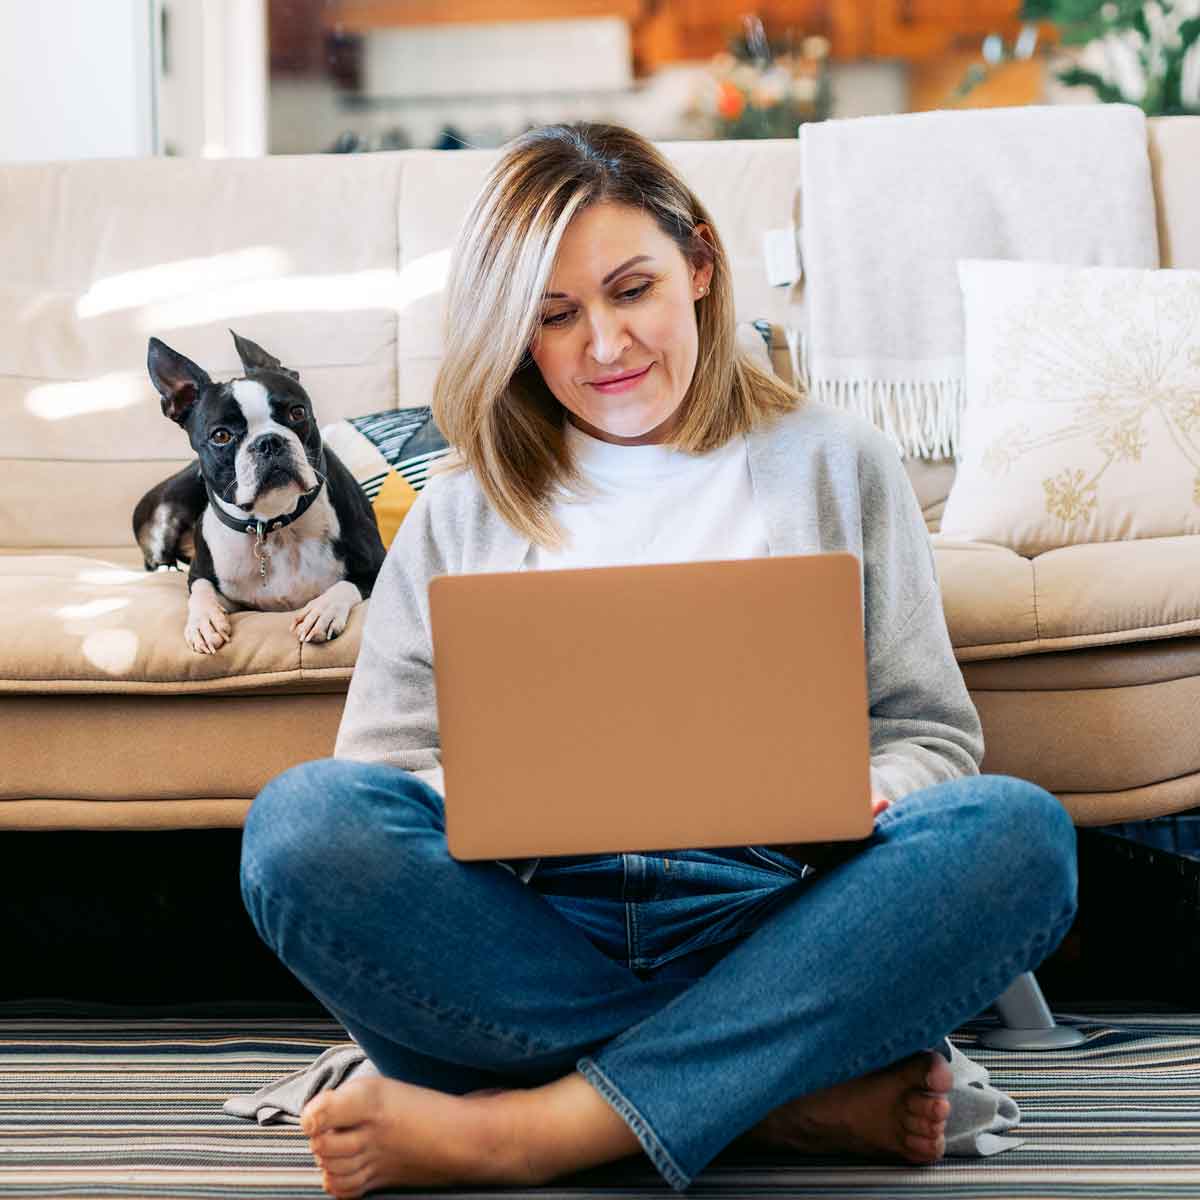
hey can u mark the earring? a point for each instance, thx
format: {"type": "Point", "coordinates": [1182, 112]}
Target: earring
{"type": "Point", "coordinates": [703, 291]}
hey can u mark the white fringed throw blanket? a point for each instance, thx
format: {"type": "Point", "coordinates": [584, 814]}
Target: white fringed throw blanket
{"type": "Point", "coordinates": [889, 204]}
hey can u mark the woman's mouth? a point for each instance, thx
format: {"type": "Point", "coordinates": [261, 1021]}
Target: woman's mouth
{"type": "Point", "coordinates": [621, 385]}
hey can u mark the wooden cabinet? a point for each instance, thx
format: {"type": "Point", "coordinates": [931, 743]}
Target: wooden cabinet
{"type": "Point", "coordinates": [940, 39]}
{"type": "Point", "coordinates": [359, 16]}
{"type": "Point", "coordinates": [706, 26]}
{"type": "Point", "coordinates": [922, 29]}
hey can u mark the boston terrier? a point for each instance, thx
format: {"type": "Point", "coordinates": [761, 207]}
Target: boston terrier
{"type": "Point", "coordinates": [274, 520]}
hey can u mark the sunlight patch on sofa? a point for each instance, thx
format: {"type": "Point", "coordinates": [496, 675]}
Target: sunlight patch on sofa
{"type": "Point", "coordinates": [352, 292]}
{"type": "Point", "coordinates": [59, 401]}
{"type": "Point", "coordinates": [111, 650]}
{"type": "Point", "coordinates": [111, 574]}
{"type": "Point", "coordinates": [166, 281]}
{"type": "Point", "coordinates": [93, 608]}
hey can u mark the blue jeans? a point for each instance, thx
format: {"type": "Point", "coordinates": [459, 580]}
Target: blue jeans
{"type": "Point", "coordinates": [695, 990]}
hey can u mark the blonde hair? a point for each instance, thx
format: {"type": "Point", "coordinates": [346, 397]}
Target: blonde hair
{"type": "Point", "coordinates": [490, 400]}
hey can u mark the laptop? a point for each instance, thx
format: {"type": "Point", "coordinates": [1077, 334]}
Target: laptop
{"type": "Point", "coordinates": [671, 706]}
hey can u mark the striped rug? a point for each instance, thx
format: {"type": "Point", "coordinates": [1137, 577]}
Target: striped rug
{"type": "Point", "coordinates": [132, 1108]}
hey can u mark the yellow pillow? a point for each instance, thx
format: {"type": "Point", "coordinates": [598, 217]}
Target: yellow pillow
{"type": "Point", "coordinates": [391, 504]}
{"type": "Point", "coordinates": [389, 454]}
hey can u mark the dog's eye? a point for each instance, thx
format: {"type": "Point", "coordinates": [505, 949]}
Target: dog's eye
{"type": "Point", "coordinates": [221, 437]}
{"type": "Point", "coordinates": [297, 412]}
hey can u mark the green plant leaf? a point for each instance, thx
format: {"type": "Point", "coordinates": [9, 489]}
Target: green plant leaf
{"type": "Point", "coordinates": [1077, 77]}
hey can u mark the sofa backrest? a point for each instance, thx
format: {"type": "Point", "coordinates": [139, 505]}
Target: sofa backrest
{"type": "Point", "coordinates": [334, 263]}
{"type": "Point", "coordinates": [97, 256]}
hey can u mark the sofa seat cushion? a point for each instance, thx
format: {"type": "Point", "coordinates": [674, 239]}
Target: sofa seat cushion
{"type": "Point", "coordinates": [1110, 730]}
{"type": "Point", "coordinates": [1000, 605]}
{"type": "Point", "coordinates": [71, 762]}
{"type": "Point", "coordinates": [83, 625]}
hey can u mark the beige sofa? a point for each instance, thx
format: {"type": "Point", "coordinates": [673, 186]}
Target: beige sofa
{"type": "Point", "coordinates": [1084, 662]}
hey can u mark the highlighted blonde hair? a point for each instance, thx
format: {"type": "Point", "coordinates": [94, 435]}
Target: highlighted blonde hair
{"type": "Point", "coordinates": [490, 400]}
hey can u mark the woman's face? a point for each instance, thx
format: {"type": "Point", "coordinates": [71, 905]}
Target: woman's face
{"type": "Point", "coordinates": [617, 345]}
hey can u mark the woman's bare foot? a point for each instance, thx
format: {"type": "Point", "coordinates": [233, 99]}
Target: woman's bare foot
{"type": "Point", "coordinates": [899, 1111]}
{"type": "Point", "coordinates": [375, 1131]}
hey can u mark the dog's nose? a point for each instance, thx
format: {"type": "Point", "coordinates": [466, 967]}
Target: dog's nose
{"type": "Point", "coordinates": [267, 445]}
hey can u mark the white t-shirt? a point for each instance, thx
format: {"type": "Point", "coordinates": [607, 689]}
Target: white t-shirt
{"type": "Point", "coordinates": [655, 504]}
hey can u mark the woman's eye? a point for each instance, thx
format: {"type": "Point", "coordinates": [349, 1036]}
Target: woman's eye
{"type": "Point", "coordinates": [633, 293]}
{"type": "Point", "coordinates": [297, 412]}
{"type": "Point", "coordinates": [555, 319]}
{"type": "Point", "coordinates": [221, 437]}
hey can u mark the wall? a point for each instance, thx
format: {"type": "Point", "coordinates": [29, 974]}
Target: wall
{"type": "Point", "coordinates": [75, 79]}
{"type": "Point", "coordinates": [213, 92]}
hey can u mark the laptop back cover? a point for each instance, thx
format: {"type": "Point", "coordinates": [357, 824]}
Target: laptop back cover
{"type": "Point", "coordinates": [664, 706]}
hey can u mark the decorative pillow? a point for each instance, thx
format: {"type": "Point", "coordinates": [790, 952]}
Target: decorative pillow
{"type": "Point", "coordinates": [390, 454]}
{"type": "Point", "coordinates": [1082, 416]}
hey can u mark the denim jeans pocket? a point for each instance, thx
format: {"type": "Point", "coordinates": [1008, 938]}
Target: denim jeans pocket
{"type": "Point", "coordinates": [778, 860]}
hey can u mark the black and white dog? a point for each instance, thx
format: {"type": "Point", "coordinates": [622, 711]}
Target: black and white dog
{"type": "Point", "coordinates": [275, 520]}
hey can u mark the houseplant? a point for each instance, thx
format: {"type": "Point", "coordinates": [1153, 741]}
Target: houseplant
{"type": "Point", "coordinates": [1128, 51]}
{"type": "Point", "coordinates": [765, 89]}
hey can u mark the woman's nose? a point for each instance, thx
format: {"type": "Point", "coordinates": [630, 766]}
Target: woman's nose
{"type": "Point", "coordinates": [609, 338]}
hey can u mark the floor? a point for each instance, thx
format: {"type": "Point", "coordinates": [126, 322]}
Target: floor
{"type": "Point", "coordinates": [130, 1108]}
{"type": "Point", "coordinates": [136, 998]}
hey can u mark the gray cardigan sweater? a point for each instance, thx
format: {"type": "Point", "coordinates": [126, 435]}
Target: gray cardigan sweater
{"type": "Point", "coordinates": [825, 480]}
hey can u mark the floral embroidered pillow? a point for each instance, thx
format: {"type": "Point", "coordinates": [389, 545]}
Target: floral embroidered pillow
{"type": "Point", "coordinates": [1082, 416]}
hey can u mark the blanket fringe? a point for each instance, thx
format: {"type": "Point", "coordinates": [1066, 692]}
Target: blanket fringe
{"type": "Point", "coordinates": [922, 419]}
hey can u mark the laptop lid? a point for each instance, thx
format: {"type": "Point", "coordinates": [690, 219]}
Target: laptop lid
{"type": "Point", "coordinates": [664, 706]}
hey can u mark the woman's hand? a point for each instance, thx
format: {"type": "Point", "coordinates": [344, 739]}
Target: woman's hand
{"type": "Point", "coordinates": [823, 855]}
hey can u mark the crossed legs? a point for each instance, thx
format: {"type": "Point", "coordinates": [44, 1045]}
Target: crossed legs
{"type": "Point", "coordinates": [456, 978]}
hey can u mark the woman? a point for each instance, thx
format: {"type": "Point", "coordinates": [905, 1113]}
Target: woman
{"type": "Point", "coordinates": [533, 1018]}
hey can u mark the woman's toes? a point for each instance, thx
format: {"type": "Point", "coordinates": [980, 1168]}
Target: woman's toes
{"type": "Point", "coordinates": [338, 1143]}
{"type": "Point", "coordinates": [347, 1184]}
{"type": "Point", "coordinates": [923, 1149]}
{"type": "Point", "coordinates": [926, 1104]}
{"type": "Point", "coordinates": [314, 1115]}
{"type": "Point", "coordinates": [920, 1126]}
{"type": "Point", "coordinates": [922, 1073]}
{"type": "Point", "coordinates": [351, 1104]}
{"type": "Point", "coordinates": [938, 1076]}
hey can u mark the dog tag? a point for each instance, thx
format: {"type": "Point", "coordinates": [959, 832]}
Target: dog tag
{"type": "Point", "coordinates": [260, 549]}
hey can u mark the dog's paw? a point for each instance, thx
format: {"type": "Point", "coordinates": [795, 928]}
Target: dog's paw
{"type": "Point", "coordinates": [208, 629]}
{"type": "Point", "coordinates": [326, 615]}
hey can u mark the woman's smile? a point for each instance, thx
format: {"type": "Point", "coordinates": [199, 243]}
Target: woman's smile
{"type": "Point", "coordinates": [620, 383]}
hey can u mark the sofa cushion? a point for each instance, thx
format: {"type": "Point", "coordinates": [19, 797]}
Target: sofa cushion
{"type": "Point", "coordinates": [999, 604]}
{"type": "Point", "coordinates": [390, 454]}
{"type": "Point", "coordinates": [193, 752]}
{"type": "Point", "coordinates": [1108, 729]}
{"type": "Point", "coordinates": [90, 626]}
{"type": "Point", "coordinates": [1082, 420]}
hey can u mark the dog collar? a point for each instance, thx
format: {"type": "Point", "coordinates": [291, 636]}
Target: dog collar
{"type": "Point", "coordinates": [257, 525]}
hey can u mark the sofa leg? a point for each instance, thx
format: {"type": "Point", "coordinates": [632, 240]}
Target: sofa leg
{"type": "Point", "coordinates": [1028, 1022]}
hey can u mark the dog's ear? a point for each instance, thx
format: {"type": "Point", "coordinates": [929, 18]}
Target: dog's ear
{"type": "Point", "coordinates": [255, 358]}
{"type": "Point", "coordinates": [177, 379]}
